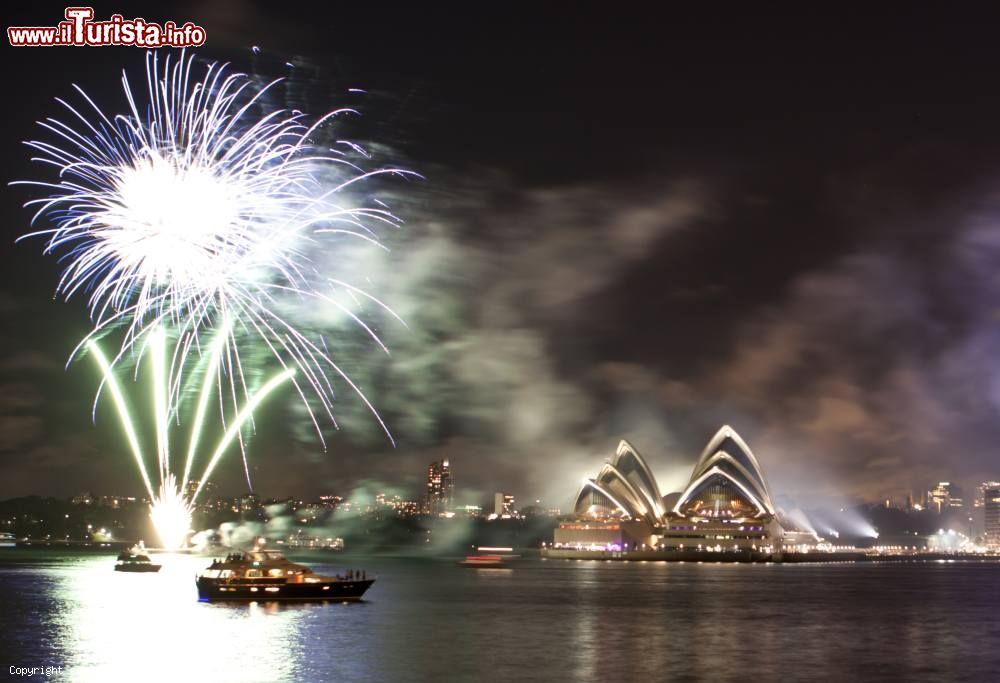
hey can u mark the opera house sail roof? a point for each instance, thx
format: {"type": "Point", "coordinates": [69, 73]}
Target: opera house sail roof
{"type": "Point", "coordinates": [726, 504]}
{"type": "Point", "coordinates": [624, 487]}
{"type": "Point", "coordinates": [726, 483]}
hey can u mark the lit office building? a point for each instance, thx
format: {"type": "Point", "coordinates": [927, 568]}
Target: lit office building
{"type": "Point", "coordinates": [943, 497]}
{"type": "Point", "coordinates": [503, 505]}
{"type": "Point", "coordinates": [440, 487]}
{"type": "Point", "coordinates": [991, 514]}
{"type": "Point", "coordinates": [980, 500]}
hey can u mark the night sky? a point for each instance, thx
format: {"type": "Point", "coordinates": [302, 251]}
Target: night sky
{"type": "Point", "coordinates": [631, 226]}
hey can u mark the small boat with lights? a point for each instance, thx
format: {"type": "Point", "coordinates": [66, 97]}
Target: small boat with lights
{"type": "Point", "coordinates": [483, 562]}
{"type": "Point", "coordinates": [131, 561]}
{"type": "Point", "coordinates": [489, 558]}
{"type": "Point", "coordinates": [265, 575]}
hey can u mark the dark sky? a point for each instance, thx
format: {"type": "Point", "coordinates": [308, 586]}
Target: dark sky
{"type": "Point", "coordinates": [632, 226]}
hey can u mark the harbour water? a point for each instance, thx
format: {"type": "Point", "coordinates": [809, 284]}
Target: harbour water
{"type": "Point", "coordinates": [554, 620]}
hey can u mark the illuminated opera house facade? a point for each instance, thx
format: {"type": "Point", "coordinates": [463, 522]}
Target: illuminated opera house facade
{"type": "Point", "coordinates": [725, 506]}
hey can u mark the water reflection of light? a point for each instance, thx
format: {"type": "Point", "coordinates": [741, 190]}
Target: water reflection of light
{"type": "Point", "coordinates": [152, 627]}
{"type": "Point", "coordinates": [487, 572]}
{"type": "Point", "coordinates": [586, 623]}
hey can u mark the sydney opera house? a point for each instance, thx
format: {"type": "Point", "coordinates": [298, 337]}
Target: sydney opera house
{"type": "Point", "coordinates": [726, 505]}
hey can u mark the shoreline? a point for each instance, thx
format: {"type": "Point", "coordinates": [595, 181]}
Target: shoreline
{"type": "Point", "coordinates": [754, 557]}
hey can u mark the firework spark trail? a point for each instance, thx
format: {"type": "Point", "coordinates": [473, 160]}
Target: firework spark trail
{"type": "Point", "coordinates": [161, 410]}
{"type": "Point", "coordinates": [234, 428]}
{"type": "Point", "coordinates": [123, 413]}
{"type": "Point", "coordinates": [196, 210]}
{"type": "Point", "coordinates": [170, 508]}
{"type": "Point", "coordinates": [204, 395]}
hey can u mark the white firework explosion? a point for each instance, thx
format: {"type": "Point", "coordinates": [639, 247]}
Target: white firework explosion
{"type": "Point", "coordinates": [196, 210]}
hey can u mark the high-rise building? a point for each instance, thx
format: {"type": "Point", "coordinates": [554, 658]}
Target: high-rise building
{"type": "Point", "coordinates": [991, 513]}
{"type": "Point", "coordinates": [440, 487]}
{"type": "Point", "coordinates": [980, 500]}
{"type": "Point", "coordinates": [503, 504]}
{"type": "Point", "coordinates": [944, 496]}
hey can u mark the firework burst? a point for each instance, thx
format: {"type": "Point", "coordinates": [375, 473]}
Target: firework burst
{"type": "Point", "coordinates": [196, 209]}
{"type": "Point", "coordinates": [171, 504]}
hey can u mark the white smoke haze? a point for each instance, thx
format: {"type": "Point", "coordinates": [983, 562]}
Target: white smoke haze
{"type": "Point", "coordinates": [843, 383]}
{"type": "Point", "coordinates": [553, 310]}
{"type": "Point", "coordinates": [474, 373]}
{"type": "Point", "coordinates": [799, 519]}
{"type": "Point", "coordinates": [540, 328]}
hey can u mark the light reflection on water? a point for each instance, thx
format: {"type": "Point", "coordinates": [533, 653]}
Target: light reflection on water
{"type": "Point", "coordinates": [119, 624]}
{"type": "Point", "coordinates": [552, 620]}
{"type": "Point", "coordinates": [110, 626]}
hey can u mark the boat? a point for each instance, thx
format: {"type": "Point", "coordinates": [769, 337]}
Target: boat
{"type": "Point", "coordinates": [131, 561]}
{"type": "Point", "coordinates": [264, 575]}
{"type": "Point", "coordinates": [484, 561]}
{"type": "Point", "coordinates": [489, 557]}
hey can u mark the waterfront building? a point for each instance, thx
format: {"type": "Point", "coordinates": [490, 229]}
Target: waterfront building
{"type": "Point", "coordinates": [503, 505]}
{"type": "Point", "coordinates": [944, 497]}
{"type": "Point", "coordinates": [602, 534]}
{"type": "Point", "coordinates": [726, 505]}
{"type": "Point", "coordinates": [991, 514]}
{"type": "Point", "coordinates": [727, 502]}
{"type": "Point", "coordinates": [440, 488]}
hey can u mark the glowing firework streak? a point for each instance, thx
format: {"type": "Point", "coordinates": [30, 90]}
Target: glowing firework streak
{"type": "Point", "coordinates": [123, 414]}
{"type": "Point", "coordinates": [234, 428]}
{"type": "Point", "coordinates": [158, 349]}
{"type": "Point", "coordinates": [170, 510]}
{"type": "Point", "coordinates": [196, 210]}
{"type": "Point", "coordinates": [203, 397]}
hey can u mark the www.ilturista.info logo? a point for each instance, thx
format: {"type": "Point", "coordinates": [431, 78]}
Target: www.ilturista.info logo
{"type": "Point", "coordinates": [80, 29]}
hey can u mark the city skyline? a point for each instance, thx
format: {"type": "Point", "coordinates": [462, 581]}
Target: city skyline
{"type": "Point", "coordinates": [436, 496]}
{"type": "Point", "coordinates": [610, 290]}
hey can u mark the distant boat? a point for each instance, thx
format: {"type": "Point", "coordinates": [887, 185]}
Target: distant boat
{"type": "Point", "coordinates": [129, 561]}
{"type": "Point", "coordinates": [490, 557]}
{"type": "Point", "coordinates": [484, 561]}
{"type": "Point", "coordinates": [267, 575]}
